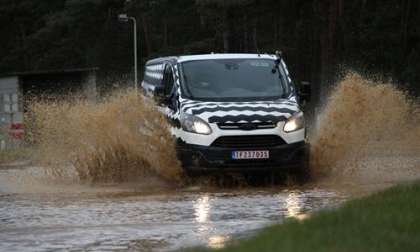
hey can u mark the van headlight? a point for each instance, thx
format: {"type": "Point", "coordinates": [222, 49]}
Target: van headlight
{"type": "Point", "coordinates": [294, 123]}
{"type": "Point", "coordinates": [195, 124]}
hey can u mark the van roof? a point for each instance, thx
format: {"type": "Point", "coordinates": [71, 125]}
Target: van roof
{"type": "Point", "coordinates": [224, 56]}
{"type": "Point", "coordinates": [185, 58]}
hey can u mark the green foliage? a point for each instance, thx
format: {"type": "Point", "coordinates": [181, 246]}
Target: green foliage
{"type": "Point", "coordinates": [376, 36]}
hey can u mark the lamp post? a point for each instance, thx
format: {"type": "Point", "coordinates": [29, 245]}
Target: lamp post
{"type": "Point", "coordinates": [126, 18]}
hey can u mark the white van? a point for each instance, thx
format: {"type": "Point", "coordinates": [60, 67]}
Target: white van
{"type": "Point", "coordinates": [231, 112]}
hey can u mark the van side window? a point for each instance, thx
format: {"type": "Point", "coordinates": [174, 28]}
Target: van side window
{"type": "Point", "coordinates": [168, 80]}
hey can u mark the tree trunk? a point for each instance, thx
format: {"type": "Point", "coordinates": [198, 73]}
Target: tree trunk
{"type": "Point", "coordinates": [246, 36]}
{"type": "Point", "coordinates": [328, 14]}
{"type": "Point", "coordinates": [405, 18]}
{"type": "Point", "coordinates": [146, 35]}
{"type": "Point", "coordinates": [276, 31]}
{"type": "Point", "coordinates": [226, 36]}
{"type": "Point", "coordinates": [226, 32]}
{"type": "Point", "coordinates": [165, 33]}
{"type": "Point", "coordinates": [255, 34]}
{"type": "Point", "coordinates": [26, 62]}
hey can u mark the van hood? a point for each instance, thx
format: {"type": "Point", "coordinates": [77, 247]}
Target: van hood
{"type": "Point", "coordinates": [242, 112]}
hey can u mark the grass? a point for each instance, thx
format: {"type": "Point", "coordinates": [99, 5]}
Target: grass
{"type": "Point", "coordinates": [386, 221]}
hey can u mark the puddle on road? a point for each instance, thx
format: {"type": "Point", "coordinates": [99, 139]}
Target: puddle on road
{"type": "Point", "coordinates": [118, 218]}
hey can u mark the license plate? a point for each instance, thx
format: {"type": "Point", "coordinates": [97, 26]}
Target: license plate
{"type": "Point", "coordinates": [250, 155]}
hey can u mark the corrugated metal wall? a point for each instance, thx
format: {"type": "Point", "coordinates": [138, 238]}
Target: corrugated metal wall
{"type": "Point", "coordinates": [10, 104]}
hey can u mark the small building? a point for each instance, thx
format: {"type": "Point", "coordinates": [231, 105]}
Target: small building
{"type": "Point", "coordinates": [18, 88]}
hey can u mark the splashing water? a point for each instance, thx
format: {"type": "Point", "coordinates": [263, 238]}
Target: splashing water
{"type": "Point", "coordinates": [368, 132]}
{"type": "Point", "coordinates": [120, 139]}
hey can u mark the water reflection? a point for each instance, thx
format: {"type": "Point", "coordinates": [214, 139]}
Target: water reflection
{"type": "Point", "coordinates": [202, 209]}
{"type": "Point", "coordinates": [90, 222]}
{"type": "Point", "coordinates": [218, 241]}
{"type": "Point", "coordinates": [211, 213]}
{"type": "Point", "coordinates": [295, 204]}
{"type": "Point", "coordinates": [206, 229]}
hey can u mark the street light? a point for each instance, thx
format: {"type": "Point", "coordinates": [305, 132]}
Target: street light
{"type": "Point", "coordinates": [125, 18]}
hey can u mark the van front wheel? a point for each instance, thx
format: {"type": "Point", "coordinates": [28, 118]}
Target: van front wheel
{"type": "Point", "coordinates": [302, 173]}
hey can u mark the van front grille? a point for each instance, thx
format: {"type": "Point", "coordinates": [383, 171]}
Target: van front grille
{"type": "Point", "coordinates": [246, 126]}
{"type": "Point", "coordinates": [259, 141]}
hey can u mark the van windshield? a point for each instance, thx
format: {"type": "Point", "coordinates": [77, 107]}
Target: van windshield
{"type": "Point", "coordinates": [234, 79]}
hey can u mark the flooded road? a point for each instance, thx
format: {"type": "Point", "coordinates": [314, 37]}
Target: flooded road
{"type": "Point", "coordinates": [51, 210]}
{"type": "Point", "coordinates": [118, 219]}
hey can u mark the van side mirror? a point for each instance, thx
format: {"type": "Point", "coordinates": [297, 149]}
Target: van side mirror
{"type": "Point", "coordinates": [305, 91]}
{"type": "Point", "coordinates": [159, 95]}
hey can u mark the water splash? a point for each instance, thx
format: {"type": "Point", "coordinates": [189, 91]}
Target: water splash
{"type": "Point", "coordinates": [368, 132]}
{"type": "Point", "coordinates": [122, 138]}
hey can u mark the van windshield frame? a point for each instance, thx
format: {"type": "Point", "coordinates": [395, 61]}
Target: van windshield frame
{"type": "Point", "coordinates": [279, 83]}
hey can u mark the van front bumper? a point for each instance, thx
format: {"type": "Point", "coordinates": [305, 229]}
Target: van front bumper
{"type": "Point", "coordinates": [197, 158]}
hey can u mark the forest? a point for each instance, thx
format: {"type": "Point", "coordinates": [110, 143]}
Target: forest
{"type": "Point", "coordinates": [318, 37]}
